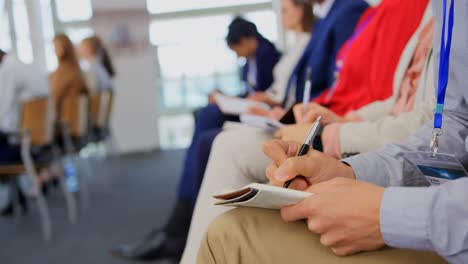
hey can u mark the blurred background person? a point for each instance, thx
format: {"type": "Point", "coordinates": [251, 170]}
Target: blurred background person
{"type": "Point", "coordinates": [96, 64]}
{"type": "Point", "coordinates": [68, 80]}
{"type": "Point", "coordinates": [18, 83]}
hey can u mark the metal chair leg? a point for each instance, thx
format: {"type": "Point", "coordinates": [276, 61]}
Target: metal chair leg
{"type": "Point", "coordinates": [32, 173]}
{"type": "Point", "coordinates": [45, 217]}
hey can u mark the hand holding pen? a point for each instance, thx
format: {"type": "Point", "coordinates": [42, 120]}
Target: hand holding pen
{"type": "Point", "coordinates": [309, 141]}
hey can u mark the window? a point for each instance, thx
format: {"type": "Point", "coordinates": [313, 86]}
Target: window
{"type": "Point", "coordinates": [5, 34]}
{"type": "Point", "coordinates": [178, 41]}
{"type": "Point", "coordinates": [164, 6]}
{"type": "Point", "coordinates": [194, 59]}
{"type": "Point", "coordinates": [186, 85]}
{"type": "Point", "coordinates": [49, 33]}
{"type": "Point", "coordinates": [77, 34]}
{"type": "Point", "coordinates": [71, 17]}
{"type": "Point", "coordinates": [73, 10]}
{"type": "Point", "coordinates": [22, 31]}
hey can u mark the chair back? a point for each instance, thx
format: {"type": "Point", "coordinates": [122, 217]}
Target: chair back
{"type": "Point", "coordinates": [38, 117]}
{"type": "Point", "coordinates": [75, 114]}
{"type": "Point", "coordinates": [101, 109]}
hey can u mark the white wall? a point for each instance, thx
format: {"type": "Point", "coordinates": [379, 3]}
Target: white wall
{"type": "Point", "coordinates": [134, 121]}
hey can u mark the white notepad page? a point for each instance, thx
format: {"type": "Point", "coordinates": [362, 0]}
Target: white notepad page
{"type": "Point", "coordinates": [237, 106]}
{"type": "Point", "coordinates": [261, 196]}
{"type": "Point", "coordinates": [262, 122]}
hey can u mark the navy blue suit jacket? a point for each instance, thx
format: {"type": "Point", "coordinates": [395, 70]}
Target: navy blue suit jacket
{"type": "Point", "coordinates": [328, 36]}
{"type": "Point", "coordinates": [266, 58]}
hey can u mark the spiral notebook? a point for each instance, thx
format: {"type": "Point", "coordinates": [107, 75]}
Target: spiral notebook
{"type": "Point", "coordinates": [261, 196]}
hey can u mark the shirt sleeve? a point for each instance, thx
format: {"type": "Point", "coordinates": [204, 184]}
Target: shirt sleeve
{"type": "Point", "coordinates": [435, 219]}
{"type": "Point", "coordinates": [374, 111]}
{"type": "Point", "coordinates": [359, 137]}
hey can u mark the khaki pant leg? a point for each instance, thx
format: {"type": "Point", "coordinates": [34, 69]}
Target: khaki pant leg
{"type": "Point", "coordinates": [249, 235]}
{"type": "Point", "coordinates": [236, 160]}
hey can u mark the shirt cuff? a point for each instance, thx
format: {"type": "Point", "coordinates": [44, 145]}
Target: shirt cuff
{"type": "Point", "coordinates": [364, 168]}
{"type": "Point", "coordinates": [404, 216]}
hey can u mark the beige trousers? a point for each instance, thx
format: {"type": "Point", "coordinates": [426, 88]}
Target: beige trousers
{"type": "Point", "coordinates": [236, 160]}
{"type": "Point", "coordinates": [249, 235]}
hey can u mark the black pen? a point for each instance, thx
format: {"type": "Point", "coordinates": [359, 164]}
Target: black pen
{"type": "Point", "coordinates": [309, 141]}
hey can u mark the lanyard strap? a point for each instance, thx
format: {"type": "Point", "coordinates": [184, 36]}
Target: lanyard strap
{"type": "Point", "coordinates": [444, 64]}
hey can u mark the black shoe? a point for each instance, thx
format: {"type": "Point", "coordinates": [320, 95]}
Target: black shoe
{"type": "Point", "coordinates": [8, 211]}
{"type": "Point", "coordinates": [157, 246]}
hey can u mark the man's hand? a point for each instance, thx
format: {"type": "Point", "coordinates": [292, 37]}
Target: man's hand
{"type": "Point", "coordinates": [212, 96]}
{"type": "Point", "coordinates": [295, 133]}
{"type": "Point", "coordinates": [345, 212]}
{"type": "Point", "coordinates": [314, 168]}
{"type": "Point", "coordinates": [276, 113]}
{"type": "Point", "coordinates": [258, 111]}
{"type": "Point", "coordinates": [331, 140]}
{"type": "Point", "coordinates": [313, 111]}
{"type": "Point", "coordinates": [259, 97]}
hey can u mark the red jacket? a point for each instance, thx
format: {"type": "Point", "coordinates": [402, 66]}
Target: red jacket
{"type": "Point", "coordinates": [369, 61]}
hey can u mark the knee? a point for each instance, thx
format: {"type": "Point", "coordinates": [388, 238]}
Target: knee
{"type": "Point", "coordinates": [228, 226]}
{"type": "Point", "coordinates": [208, 112]}
{"type": "Point", "coordinates": [207, 138]}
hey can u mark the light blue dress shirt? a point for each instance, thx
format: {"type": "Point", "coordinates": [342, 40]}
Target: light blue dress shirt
{"type": "Point", "coordinates": [422, 218]}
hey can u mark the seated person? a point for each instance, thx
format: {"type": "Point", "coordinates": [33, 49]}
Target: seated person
{"type": "Point", "coordinates": [68, 79]}
{"type": "Point", "coordinates": [18, 83]}
{"type": "Point", "coordinates": [379, 123]}
{"type": "Point", "coordinates": [98, 69]}
{"type": "Point", "coordinates": [363, 210]}
{"type": "Point", "coordinates": [298, 18]}
{"type": "Point", "coordinates": [237, 158]}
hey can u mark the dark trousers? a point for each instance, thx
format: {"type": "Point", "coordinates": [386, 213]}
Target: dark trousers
{"type": "Point", "coordinates": [9, 154]}
{"type": "Point", "coordinates": [208, 123]}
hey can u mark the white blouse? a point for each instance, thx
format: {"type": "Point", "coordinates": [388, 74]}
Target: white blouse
{"type": "Point", "coordinates": [284, 68]}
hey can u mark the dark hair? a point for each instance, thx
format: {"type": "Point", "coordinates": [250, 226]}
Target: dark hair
{"type": "Point", "coordinates": [308, 18]}
{"type": "Point", "coordinates": [98, 48]}
{"type": "Point", "coordinates": [241, 28]}
{"type": "Point", "coordinates": [2, 54]}
{"type": "Point", "coordinates": [69, 55]}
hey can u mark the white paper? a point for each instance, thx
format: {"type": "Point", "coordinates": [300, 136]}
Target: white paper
{"type": "Point", "coordinates": [262, 122]}
{"type": "Point", "coordinates": [267, 196]}
{"type": "Point", "coordinates": [237, 106]}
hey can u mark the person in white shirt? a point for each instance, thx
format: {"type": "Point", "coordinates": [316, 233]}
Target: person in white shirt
{"type": "Point", "coordinates": [18, 83]}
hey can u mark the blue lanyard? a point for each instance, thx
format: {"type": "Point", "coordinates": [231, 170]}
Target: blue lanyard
{"type": "Point", "coordinates": [445, 48]}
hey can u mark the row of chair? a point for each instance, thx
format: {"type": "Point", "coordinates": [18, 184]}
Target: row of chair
{"type": "Point", "coordinates": [45, 140]}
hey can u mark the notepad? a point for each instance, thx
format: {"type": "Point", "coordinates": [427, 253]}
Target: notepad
{"type": "Point", "coordinates": [237, 106]}
{"type": "Point", "coordinates": [262, 122]}
{"type": "Point", "coordinates": [261, 196]}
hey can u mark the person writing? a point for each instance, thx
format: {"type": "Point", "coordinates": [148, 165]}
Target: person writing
{"type": "Point", "coordinates": [297, 17]}
{"type": "Point", "coordinates": [366, 202]}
